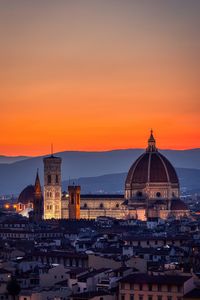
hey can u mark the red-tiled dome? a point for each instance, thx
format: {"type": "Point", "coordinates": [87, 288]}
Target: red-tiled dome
{"type": "Point", "coordinates": [152, 167]}
{"type": "Point", "coordinates": [178, 204]}
{"type": "Point", "coordinates": [27, 195]}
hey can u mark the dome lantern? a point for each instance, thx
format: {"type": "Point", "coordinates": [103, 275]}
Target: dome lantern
{"type": "Point", "coordinates": [151, 143]}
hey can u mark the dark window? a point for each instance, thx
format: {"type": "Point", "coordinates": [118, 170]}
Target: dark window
{"type": "Point", "coordinates": [159, 297]}
{"type": "Point", "coordinates": [169, 297]}
{"type": "Point", "coordinates": [101, 205]}
{"type": "Point", "coordinates": [150, 298]}
{"type": "Point", "coordinates": [132, 286]}
{"type": "Point", "coordinates": [131, 297]}
{"type": "Point", "coordinates": [122, 297]}
{"type": "Point", "coordinates": [139, 194]}
{"type": "Point", "coordinates": [49, 179]}
{"type": "Point", "coordinates": [140, 297]}
{"type": "Point", "coordinates": [150, 287]}
{"type": "Point", "coordinates": [179, 289]}
{"type": "Point", "coordinates": [158, 194]}
{"type": "Point", "coordinates": [140, 287]}
{"type": "Point", "coordinates": [117, 205]}
{"type": "Point", "coordinates": [169, 288]}
{"type": "Point", "coordinates": [56, 178]}
{"type": "Point", "coordinates": [159, 288]}
{"type": "Point", "coordinates": [85, 205]}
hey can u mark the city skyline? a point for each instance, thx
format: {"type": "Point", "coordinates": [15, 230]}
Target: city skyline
{"type": "Point", "coordinates": [98, 75]}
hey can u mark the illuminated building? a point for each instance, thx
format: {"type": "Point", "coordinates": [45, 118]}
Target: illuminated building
{"type": "Point", "coordinates": [151, 191]}
{"type": "Point", "coordinates": [52, 187]}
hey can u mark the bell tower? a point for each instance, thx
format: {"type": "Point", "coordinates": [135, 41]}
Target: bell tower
{"type": "Point", "coordinates": [38, 200]}
{"type": "Point", "coordinates": [74, 201]}
{"type": "Point", "coordinates": [52, 187]}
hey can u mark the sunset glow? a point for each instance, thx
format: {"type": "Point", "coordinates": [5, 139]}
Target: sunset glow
{"type": "Point", "coordinates": [98, 75]}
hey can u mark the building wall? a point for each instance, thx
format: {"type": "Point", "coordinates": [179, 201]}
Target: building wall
{"type": "Point", "coordinates": [53, 276]}
{"type": "Point", "coordinates": [126, 290]}
{"type": "Point", "coordinates": [96, 262]}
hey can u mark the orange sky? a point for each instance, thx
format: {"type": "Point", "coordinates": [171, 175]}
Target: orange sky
{"type": "Point", "coordinates": [98, 75]}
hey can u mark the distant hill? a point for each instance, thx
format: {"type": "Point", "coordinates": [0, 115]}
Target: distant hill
{"type": "Point", "coordinates": [78, 164]}
{"type": "Point", "coordinates": [114, 183]}
{"type": "Point", "coordinates": [11, 159]}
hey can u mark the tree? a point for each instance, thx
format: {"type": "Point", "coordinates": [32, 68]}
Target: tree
{"type": "Point", "coordinates": [13, 287]}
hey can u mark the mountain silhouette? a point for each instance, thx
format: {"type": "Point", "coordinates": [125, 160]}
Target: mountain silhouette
{"type": "Point", "coordinates": [80, 164]}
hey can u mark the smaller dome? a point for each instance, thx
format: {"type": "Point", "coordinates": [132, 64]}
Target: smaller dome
{"type": "Point", "coordinates": [178, 204]}
{"type": "Point", "coordinates": [27, 195]}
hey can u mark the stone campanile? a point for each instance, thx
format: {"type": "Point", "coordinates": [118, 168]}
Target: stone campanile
{"type": "Point", "coordinates": [74, 202]}
{"type": "Point", "coordinates": [52, 187]}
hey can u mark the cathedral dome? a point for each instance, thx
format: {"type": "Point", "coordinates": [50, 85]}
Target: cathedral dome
{"type": "Point", "coordinates": [152, 170]}
{"type": "Point", "coordinates": [27, 195]}
{"type": "Point", "coordinates": [152, 167]}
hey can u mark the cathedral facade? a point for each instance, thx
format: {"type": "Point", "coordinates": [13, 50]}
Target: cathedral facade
{"type": "Point", "coordinates": [151, 191]}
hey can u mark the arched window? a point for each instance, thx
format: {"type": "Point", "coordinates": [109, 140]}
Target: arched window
{"type": "Point", "coordinates": [117, 205]}
{"type": "Point", "coordinates": [49, 179]}
{"type": "Point", "coordinates": [139, 194]}
{"type": "Point", "coordinates": [101, 205]}
{"type": "Point", "coordinates": [85, 205]}
{"type": "Point", "coordinates": [158, 194]}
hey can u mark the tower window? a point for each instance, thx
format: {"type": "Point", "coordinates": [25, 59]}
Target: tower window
{"type": "Point", "coordinates": [139, 194]}
{"type": "Point", "coordinates": [72, 198]}
{"type": "Point", "coordinates": [49, 179]}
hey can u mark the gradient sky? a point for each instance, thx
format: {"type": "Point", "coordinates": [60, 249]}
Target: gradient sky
{"type": "Point", "coordinates": [99, 74]}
